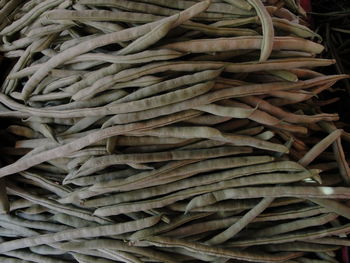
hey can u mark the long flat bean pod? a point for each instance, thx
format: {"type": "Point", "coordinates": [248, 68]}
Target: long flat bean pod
{"type": "Point", "coordinates": [79, 233]}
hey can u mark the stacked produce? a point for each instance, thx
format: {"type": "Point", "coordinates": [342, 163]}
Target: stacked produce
{"type": "Point", "coordinates": [168, 131]}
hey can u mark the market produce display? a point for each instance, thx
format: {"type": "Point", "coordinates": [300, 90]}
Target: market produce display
{"type": "Point", "coordinates": [168, 131]}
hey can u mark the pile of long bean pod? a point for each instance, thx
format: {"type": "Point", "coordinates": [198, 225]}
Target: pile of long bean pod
{"type": "Point", "coordinates": [167, 131]}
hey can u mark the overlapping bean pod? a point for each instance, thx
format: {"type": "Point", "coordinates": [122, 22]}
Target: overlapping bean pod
{"type": "Point", "coordinates": [167, 131]}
